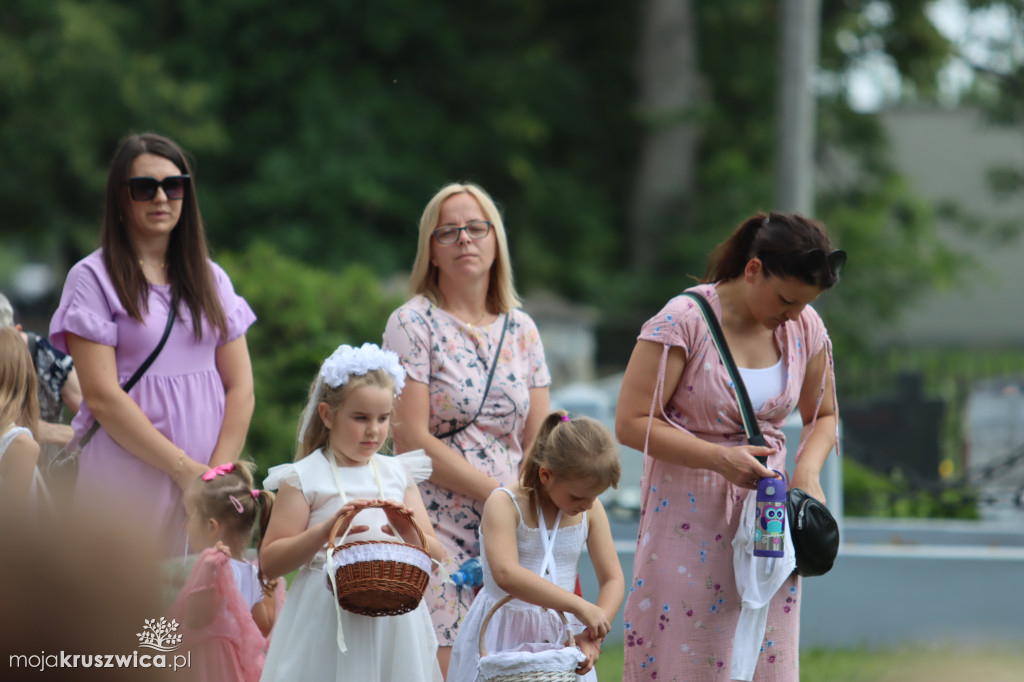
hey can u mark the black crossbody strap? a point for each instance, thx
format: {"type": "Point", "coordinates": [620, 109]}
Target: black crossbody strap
{"type": "Point", "coordinates": [750, 425]}
{"type": "Point", "coordinates": [487, 387]}
{"type": "Point", "coordinates": [134, 379]}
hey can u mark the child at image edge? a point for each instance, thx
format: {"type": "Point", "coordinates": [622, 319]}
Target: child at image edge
{"type": "Point", "coordinates": [19, 417]}
{"type": "Point", "coordinates": [532, 534]}
{"type": "Point", "coordinates": [338, 469]}
{"type": "Point", "coordinates": [226, 608]}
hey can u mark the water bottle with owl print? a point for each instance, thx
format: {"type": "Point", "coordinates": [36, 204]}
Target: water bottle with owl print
{"type": "Point", "coordinates": [770, 519]}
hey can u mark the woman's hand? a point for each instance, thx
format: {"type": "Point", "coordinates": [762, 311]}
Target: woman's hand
{"type": "Point", "coordinates": [189, 471]}
{"type": "Point", "coordinates": [739, 465]}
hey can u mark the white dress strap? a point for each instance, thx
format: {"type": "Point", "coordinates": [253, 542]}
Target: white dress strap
{"type": "Point", "coordinates": [548, 565]}
{"type": "Point", "coordinates": [342, 647]}
{"type": "Point", "coordinates": [514, 500]}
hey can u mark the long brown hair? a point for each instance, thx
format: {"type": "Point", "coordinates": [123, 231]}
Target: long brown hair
{"type": "Point", "coordinates": [19, 403]}
{"type": "Point", "coordinates": [188, 256]}
{"type": "Point", "coordinates": [780, 241]}
{"type": "Point", "coordinates": [581, 449]}
{"type": "Point", "coordinates": [232, 500]}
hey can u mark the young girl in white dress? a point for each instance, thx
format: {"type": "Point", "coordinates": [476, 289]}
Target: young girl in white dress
{"type": "Point", "coordinates": [338, 469]}
{"type": "Point", "coordinates": [227, 607]}
{"type": "Point", "coordinates": [532, 534]}
{"type": "Point", "coordinates": [19, 414]}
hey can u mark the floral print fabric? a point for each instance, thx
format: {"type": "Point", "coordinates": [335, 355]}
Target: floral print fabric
{"type": "Point", "coordinates": [454, 359]}
{"type": "Point", "coordinates": [682, 605]}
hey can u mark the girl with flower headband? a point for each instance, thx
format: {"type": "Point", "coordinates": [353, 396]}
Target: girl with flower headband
{"type": "Point", "coordinates": [227, 606]}
{"type": "Point", "coordinates": [338, 470]}
{"type": "Point", "coordinates": [532, 534]}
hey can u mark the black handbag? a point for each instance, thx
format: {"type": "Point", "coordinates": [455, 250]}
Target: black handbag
{"type": "Point", "coordinates": [63, 468]}
{"type": "Point", "coordinates": [812, 527]}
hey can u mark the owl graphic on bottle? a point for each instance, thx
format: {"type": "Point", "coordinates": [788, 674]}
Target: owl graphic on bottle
{"type": "Point", "coordinates": [770, 521]}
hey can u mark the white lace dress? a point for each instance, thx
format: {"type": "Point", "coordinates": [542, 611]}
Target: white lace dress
{"type": "Point", "coordinates": [519, 622]}
{"type": "Point", "coordinates": [304, 643]}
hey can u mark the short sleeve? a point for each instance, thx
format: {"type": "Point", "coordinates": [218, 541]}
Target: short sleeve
{"type": "Point", "coordinates": [88, 305]}
{"type": "Point", "coordinates": [208, 571]}
{"type": "Point", "coordinates": [408, 334]}
{"type": "Point", "coordinates": [237, 313]}
{"type": "Point", "coordinates": [814, 331]}
{"type": "Point", "coordinates": [533, 349]}
{"type": "Point", "coordinates": [674, 325]}
{"type": "Point", "coordinates": [282, 473]}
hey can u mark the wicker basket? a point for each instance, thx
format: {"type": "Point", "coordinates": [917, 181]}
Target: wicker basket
{"type": "Point", "coordinates": [378, 577]}
{"type": "Point", "coordinates": [547, 663]}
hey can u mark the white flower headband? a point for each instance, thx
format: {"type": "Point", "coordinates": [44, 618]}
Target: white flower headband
{"type": "Point", "coordinates": [346, 362]}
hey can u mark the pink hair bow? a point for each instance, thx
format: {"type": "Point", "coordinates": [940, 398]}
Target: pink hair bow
{"type": "Point", "coordinates": [219, 470]}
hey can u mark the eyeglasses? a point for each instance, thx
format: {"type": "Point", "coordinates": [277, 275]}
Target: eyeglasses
{"type": "Point", "coordinates": [449, 234]}
{"type": "Point", "coordinates": [144, 189]}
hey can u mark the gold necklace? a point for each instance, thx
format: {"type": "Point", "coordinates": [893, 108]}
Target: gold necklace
{"type": "Point", "coordinates": [472, 325]}
{"type": "Point", "coordinates": [162, 266]}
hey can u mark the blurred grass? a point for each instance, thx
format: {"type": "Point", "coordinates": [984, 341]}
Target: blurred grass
{"type": "Point", "coordinates": [908, 664]}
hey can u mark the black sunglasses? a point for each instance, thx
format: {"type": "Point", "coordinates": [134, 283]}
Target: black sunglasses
{"type": "Point", "coordinates": [144, 188]}
{"type": "Point", "coordinates": [812, 261]}
{"type": "Point", "coordinates": [817, 260]}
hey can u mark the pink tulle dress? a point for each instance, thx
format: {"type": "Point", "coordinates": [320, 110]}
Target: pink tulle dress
{"type": "Point", "coordinates": [230, 647]}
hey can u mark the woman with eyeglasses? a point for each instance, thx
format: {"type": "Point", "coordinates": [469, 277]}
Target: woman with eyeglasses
{"type": "Point", "coordinates": [191, 408]}
{"type": "Point", "coordinates": [477, 388]}
{"type": "Point", "coordinates": [677, 405]}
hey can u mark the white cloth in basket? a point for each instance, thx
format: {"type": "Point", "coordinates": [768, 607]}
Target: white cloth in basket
{"type": "Point", "coordinates": [531, 658]}
{"type": "Point", "coordinates": [385, 551]}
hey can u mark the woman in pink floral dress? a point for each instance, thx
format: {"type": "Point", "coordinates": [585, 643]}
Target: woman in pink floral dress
{"type": "Point", "coordinates": [678, 406]}
{"type": "Point", "coordinates": [464, 307]}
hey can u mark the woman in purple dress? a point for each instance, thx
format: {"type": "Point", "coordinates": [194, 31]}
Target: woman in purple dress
{"type": "Point", "coordinates": [677, 404]}
{"type": "Point", "coordinates": [191, 409]}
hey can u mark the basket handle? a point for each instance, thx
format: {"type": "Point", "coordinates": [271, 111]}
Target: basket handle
{"type": "Point", "coordinates": [506, 599]}
{"type": "Point", "coordinates": [387, 508]}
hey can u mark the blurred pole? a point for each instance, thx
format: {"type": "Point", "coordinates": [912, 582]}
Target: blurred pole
{"type": "Point", "coordinates": [668, 92]}
{"type": "Point", "coordinates": [795, 108]}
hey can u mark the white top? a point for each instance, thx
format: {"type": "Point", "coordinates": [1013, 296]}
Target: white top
{"type": "Point", "coordinates": [37, 487]}
{"type": "Point", "coordinates": [764, 384]}
{"type": "Point", "coordinates": [248, 581]}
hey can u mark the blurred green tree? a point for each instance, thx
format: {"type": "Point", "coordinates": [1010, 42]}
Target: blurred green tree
{"type": "Point", "coordinates": [303, 313]}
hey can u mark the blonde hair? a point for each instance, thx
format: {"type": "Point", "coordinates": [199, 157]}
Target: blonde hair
{"type": "Point", "coordinates": [313, 433]}
{"type": "Point", "coordinates": [19, 403]}
{"type": "Point", "coordinates": [580, 449]}
{"type": "Point", "coordinates": [230, 498]}
{"type": "Point", "coordinates": [501, 290]}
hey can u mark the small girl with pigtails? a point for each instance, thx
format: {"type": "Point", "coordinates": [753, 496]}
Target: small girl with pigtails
{"type": "Point", "coordinates": [337, 471]}
{"type": "Point", "coordinates": [532, 534]}
{"type": "Point", "coordinates": [227, 607]}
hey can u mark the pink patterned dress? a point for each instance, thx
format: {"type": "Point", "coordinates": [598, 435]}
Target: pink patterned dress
{"type": "Point", "coordinates": [682, 605]}
{"type": "Point", "coordinates": [453, 359]}
{"type": "Point", "coordinates": [181, 393]}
